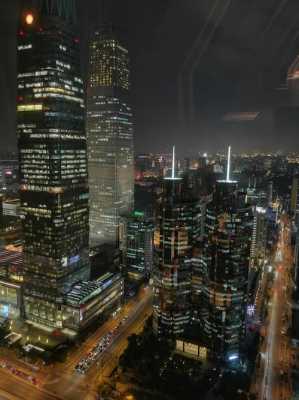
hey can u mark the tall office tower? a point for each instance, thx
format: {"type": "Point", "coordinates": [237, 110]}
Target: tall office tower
{"type": "Point", "coordinates": [256, 200]}
{"type": "Point", "coordinates": [177, 229]}
{"type": "Point", "coordinates": [225, 258]}
{"type": "Point", "coordinates": [53, 158]}
{"type": "Point", "coordinates": [136, 241]}
{"type": "Point", "coordinates": [110, 136]}
{"type": "Point", "coordinates": [259, 236]}
{"type": "Point", "coordinates": [270, 194]}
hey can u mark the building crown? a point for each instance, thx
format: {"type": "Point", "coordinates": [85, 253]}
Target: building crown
{"type": "Point", "coordinates": [65, 9]}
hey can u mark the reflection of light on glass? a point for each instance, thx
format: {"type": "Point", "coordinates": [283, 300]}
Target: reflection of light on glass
{"type": "Point", "coordinates": [241, 116]}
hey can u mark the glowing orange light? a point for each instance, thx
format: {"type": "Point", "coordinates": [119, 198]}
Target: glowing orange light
{"type": "Point", "coordinates": [29, 19]}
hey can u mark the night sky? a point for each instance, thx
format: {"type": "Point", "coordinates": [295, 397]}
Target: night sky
{"type": "Point", "coordinates": [234, 54]}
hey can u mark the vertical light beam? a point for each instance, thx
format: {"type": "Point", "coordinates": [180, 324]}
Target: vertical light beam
{"type": "Point", "coordinates": [173, 163]}
{"type": "Point", "coordinates": [228, 164]}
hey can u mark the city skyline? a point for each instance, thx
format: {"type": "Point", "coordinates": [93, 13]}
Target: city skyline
{"type": "Point", "coordinates": [143, 254]}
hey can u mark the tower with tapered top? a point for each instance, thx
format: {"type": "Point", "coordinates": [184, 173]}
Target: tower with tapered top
{"type": "Point", "coordinates": [53, 158]}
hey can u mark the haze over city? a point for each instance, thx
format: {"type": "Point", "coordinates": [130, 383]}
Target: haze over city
{"type": "Point", "coordinates": [239, 54]}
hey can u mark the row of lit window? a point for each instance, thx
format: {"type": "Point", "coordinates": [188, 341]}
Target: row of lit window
{"type": "Point", "coordinates": [59, 96]}
{"type": "Point", "coordinates": [54, 136]}
{"type": "Point", "coordinates": [30, 107]}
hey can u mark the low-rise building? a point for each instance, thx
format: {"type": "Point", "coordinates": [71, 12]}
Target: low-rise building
{"type": "Point", "coordinates": [11, 278]}
{"type": "Point", "coordinates": [88, 301]}
{"type": "Point", "coordinates": [82, 305]}
{"type": "Point", "coordinates": [10, 223]}
{"type": "Point", "coordinates": [11, 303]}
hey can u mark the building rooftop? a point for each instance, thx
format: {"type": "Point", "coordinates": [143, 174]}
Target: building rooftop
{"type": "Point", "coordinates": [84, 291]}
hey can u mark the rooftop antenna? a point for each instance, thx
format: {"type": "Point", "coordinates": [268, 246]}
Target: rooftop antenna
{"type": "Point", "coordinates": [173, 176]}
{"type": "Point", "coordinates": [228, 164]}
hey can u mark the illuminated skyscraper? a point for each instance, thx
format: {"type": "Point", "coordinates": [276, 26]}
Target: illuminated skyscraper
{"type": "Point", "coordinates": [224, 262]}
{"type": "Point", "coordinates": [110, 136]}
{"type": "Point", "coordinates": [177, 228]}
{"type": "Point", "coordinates": [256, 199]}
{"type": "Point", "coordinates": [53, 158]}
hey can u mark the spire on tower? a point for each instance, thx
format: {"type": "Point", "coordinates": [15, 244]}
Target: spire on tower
{"type": "Point", "coordinates": [228, 164]}
{"type": "Point", "coordinates": [228, 169]}
{"type": "Point", "coordinates": [173, 176]}
{"type": "Point", "coordinates": [173, 163]}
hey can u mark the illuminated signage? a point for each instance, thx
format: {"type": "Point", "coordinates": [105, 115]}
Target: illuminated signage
{"type": "Point", "coordinates": [138, 214]}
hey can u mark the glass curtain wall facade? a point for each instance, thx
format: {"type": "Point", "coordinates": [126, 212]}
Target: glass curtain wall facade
{"type": "Point", "coordinates": [136, 239]}
{"type": "Point", "coordinates": [53, 159]}
{"type": "Point", "coordinates": [225, 262]}
{"type": "Point", "coordinates": [178, 227]}
{"type": "Point", "coordinates": [110, 136]}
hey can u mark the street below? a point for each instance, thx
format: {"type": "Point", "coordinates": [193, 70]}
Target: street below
{"type": "Point", "coordinates": [273, 380]}
{"type": "Point", "coordinates": [61, 381]}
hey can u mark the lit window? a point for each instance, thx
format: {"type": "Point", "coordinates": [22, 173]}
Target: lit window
{"type": "Point", "coordinates": [30, 107]}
